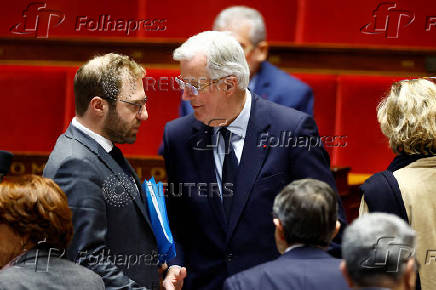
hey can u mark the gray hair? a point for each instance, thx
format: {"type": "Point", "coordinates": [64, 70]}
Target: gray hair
{"type": "Point", "coordinates": [376, 248]}
{"type": "Point", "coordinates": [307, 209]}
{"type": "Point", "coordinates": [224, 55]}
{"type": "Point", "coordinates": [235, 15]}
{"type": "Point", "coordinates": [407, 116]}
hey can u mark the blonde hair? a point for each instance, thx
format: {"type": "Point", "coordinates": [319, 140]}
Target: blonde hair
{"type": "Point", "coordinates": [407, 116]}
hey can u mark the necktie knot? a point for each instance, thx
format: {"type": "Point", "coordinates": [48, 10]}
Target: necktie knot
{"type": "Point", "coordinates": [117, 155]}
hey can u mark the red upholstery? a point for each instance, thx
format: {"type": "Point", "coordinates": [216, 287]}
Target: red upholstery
{"type": "Point", "coordinates": [173, 19]}
{"type": "Point", "coordinates": [33, 107]}
{"type": "Point", "coordinates": [301, 21]}
{"type": "Point", "coordinates": [38, 104]}
{"type": "Point", "coordinates": [367, 149]}
{"type": "Point", "coordinates": [341, 22]}
{"type": "Point", "coordinates": [324, 91]}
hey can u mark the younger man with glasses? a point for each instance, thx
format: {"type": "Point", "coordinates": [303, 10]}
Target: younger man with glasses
{"type": "Point", "coordinates": [112, 231]}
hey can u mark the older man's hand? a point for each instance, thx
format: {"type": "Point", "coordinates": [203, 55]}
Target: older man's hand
{"type": "Point", "coordinates": [174, 278]}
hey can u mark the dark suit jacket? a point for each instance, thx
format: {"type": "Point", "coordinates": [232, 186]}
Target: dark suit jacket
{"type": "Point", "coordinates": [278, 86]}
{"type": "Point", "coordinates": [211, 248]}
{"type": "Point", "coordinates": [112, 232]}
{"type": "Point", "coordinates": [45, 269]}
{"type": "Point", "coordinates": [304, 268]}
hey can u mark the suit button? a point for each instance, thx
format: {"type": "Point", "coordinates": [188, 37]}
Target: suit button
{"type": "Point", "coordinates": [229, 257]}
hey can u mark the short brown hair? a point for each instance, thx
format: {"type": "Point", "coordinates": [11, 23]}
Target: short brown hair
{"type": "Point", "coordinates": [102, 76]}
{"type": "Point", "coordinates": [35, 206]}
{"type": "Point", "coordinates": [307, 209]}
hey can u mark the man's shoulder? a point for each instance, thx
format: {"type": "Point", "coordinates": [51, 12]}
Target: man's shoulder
{"type": "Point", "coordinates": [69, 151]}
{"type": "Point", "coordinates": [289, 274]}
{"type": "Point", "coordinates": [281, 114]}
{"type": "Point", "coordinates": [282, 80]}
{"type": "Point", "coordinates": [180, 126]}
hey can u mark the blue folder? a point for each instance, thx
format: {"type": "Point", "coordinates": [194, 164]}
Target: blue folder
{"type": "Point", "coordinates": [159, 220]}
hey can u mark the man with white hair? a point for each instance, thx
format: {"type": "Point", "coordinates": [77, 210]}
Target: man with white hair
{"type": "Point", "coordinates": [379, 253]}
{"type": "Point", "coordinates": [266, 80]}
{"type": "Point", "coordinates": [225, 165]}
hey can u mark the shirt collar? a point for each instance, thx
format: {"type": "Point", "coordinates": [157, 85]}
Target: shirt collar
{"type": "Point", "coordinates": [105, 143]}
{"type": "Point", "coordinates": [239, 125]}
{"type": "Point", "coordinates": [293, 247]}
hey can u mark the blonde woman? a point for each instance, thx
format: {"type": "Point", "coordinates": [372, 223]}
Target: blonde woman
{"type": "Point", "coordinates": [407, 117]}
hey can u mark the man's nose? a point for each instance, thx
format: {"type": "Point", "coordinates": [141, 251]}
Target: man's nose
{"type": "Point", "coordinates": [143, 114]}
{"type": "Point", "coordinates": [187, 95]}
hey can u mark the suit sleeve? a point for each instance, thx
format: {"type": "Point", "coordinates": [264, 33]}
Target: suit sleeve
{"type": "Point", "coordinates": [310, 160]}
{"type": "Point", "coordinates": [83, 186]}
{"type": "Point", "coordinates": [173, 204]}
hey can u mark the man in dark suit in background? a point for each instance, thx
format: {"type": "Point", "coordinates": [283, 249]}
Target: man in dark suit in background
{"type": "Point", "coordinates": [266, 80]}
{"type": "Point", "coordinates": [228, 160]}
{"type": "Point", "coordinates": [112, 231]}
{"type": "Point", "coordinates": [305, 217]}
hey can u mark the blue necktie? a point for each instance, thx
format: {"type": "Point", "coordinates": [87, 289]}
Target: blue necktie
{"type": "Point", "coordinates": [228, 175]}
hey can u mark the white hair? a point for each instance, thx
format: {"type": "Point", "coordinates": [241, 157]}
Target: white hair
{"type": "Point", "coordinates": [224, 55]}
{"type": "Point", "coordinates": [233, 16]}
{"type": "Point", "coordinates": [373, 238]}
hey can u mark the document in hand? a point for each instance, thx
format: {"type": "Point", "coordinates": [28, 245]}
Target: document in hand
{"type": "Point", "coordinates": [159, 220]}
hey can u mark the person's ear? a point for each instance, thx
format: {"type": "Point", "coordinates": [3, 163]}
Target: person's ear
{"type": "Point", "coordinates": [279, 228]}
{"type": "Point", "coordinates": [261, 51]}
{"type": "Point", "coordinates": [343, 268]}
{"type": "Point", "coordinates": [337, 228]}
{"type": "Point", "coordinates": [98, 106]}
{"type": "Point", "coordinates": [410, 275]}
{"type": "Point", "coordinates": [230, 85]}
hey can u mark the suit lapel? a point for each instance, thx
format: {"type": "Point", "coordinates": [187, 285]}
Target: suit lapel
{"type": "Point", "coordinates": [108, 161]}
{"type": "Point", "coordinates": [204, 162]}
{"type": "Point", "coordinates": [251, 162]}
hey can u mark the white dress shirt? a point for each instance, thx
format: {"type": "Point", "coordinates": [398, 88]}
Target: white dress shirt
{"type": "Point", "coordinates": [238, 129]}
{"type": "Point", "coordinates": [105, 143]}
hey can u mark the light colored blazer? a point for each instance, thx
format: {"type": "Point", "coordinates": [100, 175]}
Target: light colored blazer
{"type": "Point", "coordinates": [417, 184]}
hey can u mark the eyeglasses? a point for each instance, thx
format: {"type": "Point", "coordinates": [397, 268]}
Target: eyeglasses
{"type": "Point", "coordinates": [138, 104]}
{"type": "Point", "coordinates": [194, 89]}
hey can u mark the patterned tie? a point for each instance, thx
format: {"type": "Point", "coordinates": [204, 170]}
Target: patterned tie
{"type": "Point", "coordinates": [117, 155]}
{"type": "Point", "coordinates": [230, 167]}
